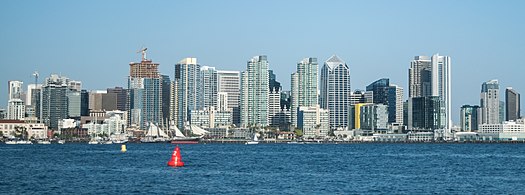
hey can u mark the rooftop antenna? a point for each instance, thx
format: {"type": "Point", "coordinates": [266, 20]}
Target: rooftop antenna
{"type": "Point", "coordinates": [143, 51]}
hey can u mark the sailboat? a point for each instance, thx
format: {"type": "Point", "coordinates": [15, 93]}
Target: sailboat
{"type": "Point", "coordinates": [154, 135]}
{"type": "Point", "coordinates": [254, 141]}
{"type": "Point", "coordinates": [180, 138]}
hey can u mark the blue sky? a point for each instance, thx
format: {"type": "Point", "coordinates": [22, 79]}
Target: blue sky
{"type": "Point", "coordinates": [94, 41]}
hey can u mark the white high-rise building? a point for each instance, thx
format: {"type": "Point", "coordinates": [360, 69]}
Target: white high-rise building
{"type": "Point", "coordinates": [15, 106]}
{"type": "Point", "coordinates": [313, 121]}
{"type": "Point", "coordinates": [335, 91]}
{"type": "Point", "coordinates": [304, 86]}
{"type": "Point", "coordinates": [255, 93]}
{"type": "Point", "coordinates": [274, 107]}
{"type": "Point", "coordinates": [229, 83]}
{"type": "Point", "coordinates": [490, 103]}
{"type": "Point", "coordinates": [187, 76]}
{"type": "Point", "coordinates": [431, 76]}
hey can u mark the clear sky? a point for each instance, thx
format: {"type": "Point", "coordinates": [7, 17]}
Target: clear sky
{"type": "Point", "coordinates": [94, 41]}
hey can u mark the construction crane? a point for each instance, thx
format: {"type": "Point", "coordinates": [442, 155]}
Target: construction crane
{"type": "Point", "coordinates": [143, 51]}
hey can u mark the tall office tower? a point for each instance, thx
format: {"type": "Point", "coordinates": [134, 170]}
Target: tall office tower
{"type": "Point", "coordinates": [187, 76]}
{"type": "Point", "coordinates": [395, 104]}
{"type": "Point", "coordinates": [313, 121]}
{"type": "Point", "coordinates": [490, 103]}
{"type": "Point", "coordinates": [54, 100]}
{"type": "Point", "coordinates": [304, 86]}
{"type": "Point", "coordinates": [145, 93]}
{"type": "Point", "coordinates": [380, 90]}
{"type": "Point", "coordinates": [432, 77]}
{"type": "Point", "coordinates": [15, 105]}
{"type": "Point", "coordinates": [166, 99]}
{"type": "Point", "coordinates": [74, 104]}
{"type": "Point", "coordinates": [84, 103]}
{"type": "Point", "coordinates": [335, 91]}
{"type": "Point", "coordinates": [374, 117]}
{"type": "Point", "coordinates": [501, 111]}
{"type": "Point", "coordinates": [255, 93]}
{"type": "Point", "coordinates": [121, 95]}
{"type": "Point", "coordinates": [74, 85]}
{"type": "Point", "coordinates": [274, 107]}
{"type": "Point", "coordinates": [426, 113]}
{"type": "Point", "coordinates": [208, 87]}
{"type": "Point", "coordinates": [512, 108]}
{"type": "Point", "coordinates": [469, 118]}
{"type": "Point", "coordinates": [229, 83]}
{"type": "Point", "coordinates": [96, 99]}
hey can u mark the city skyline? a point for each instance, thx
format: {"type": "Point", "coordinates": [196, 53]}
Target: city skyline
{"type": "Point", "coordinates": [485, 36]}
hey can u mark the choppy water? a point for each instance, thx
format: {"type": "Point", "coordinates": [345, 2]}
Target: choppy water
{"type": "Point", "coordinates": [264, 169]}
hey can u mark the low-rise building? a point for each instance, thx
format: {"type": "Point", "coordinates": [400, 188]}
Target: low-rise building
{"type": "Point", "coordinates": [14, 127]}
{"type": "Point", "coordinates": [508, 131]}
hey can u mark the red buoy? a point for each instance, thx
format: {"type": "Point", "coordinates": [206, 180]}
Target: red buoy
{"type": "Point", "coordinates": [176, 159]}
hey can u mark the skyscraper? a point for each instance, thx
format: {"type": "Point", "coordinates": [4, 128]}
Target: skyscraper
{"type": "Point", "coordinates": [359, 96]}
{"type": "Point", "coordinates": [145, 93]}
{"type": "Point", "coordinates": [431, 77]}
{"type": "Point", "coordinates": [469, 118]}
{"type": "Point", "coordinates": [121, 95]}
{"type": "Point", "coordinates": [395, 104]}
{"type": "Point", "coordinates": [335, 91]}
{"type": "Point", "coordinates": [490, 103]}
{"type": "Point", "coordinates": [255, 92]}
{"type": "Point", "coordinates": [166, 99]}
{"type": "Point", "coordinates": [54, 100]}
{"type": "Point", "coordinates": [188, 79]}
{"type": "Point", "coordinates": [15, 106]}
{"type": "Point", "coordinates": [512, 106]}
{"type": "Point", "coordinates": [208, 87]}
{"type": "Point", "coordinates": [304, 86]}
{"type": "Point", "coordinates": [229, 83]}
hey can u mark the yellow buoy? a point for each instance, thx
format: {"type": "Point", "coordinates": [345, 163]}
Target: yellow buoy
{"type": "Point", "coordinates": [123, 148]}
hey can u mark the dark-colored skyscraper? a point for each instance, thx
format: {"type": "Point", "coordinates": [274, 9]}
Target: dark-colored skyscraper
{"type": "Point", "coordinates": [121, 95]}
{"type": "Point", "coordinates": [426, 113]}
{"type": "Point", "coordinates": [84, 103]}
{"type": "Point", "coordinates": [380, 89]}
{"type": "Point", "coordinates": [512, 106]}
{"type": "Point", "coordinates": [166, 82]}
{"type": "Point", "coordinates": [273, 83]}
{"type": "Point", "coordinates": [54, 100]}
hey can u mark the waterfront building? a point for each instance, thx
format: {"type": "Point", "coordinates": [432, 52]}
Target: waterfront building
{"type": "Point", "coordinates": [313, 121]}
{"type": "Point", "coordinates": [145, 94]}
{"type": "Point", "coordinates": [506, 131]}
{"type": "Point", "coordinates": [14, 127]}
{"type": "Point", "coordinates": [512, 106]}
{"type": "Point", "coordinates": [303, 86]}
{"type": "Point", "coordinates": [255, 93]}
{"type": "Point", "coordinates": [229, 83]}
{"type": "Point", "coordinates": [469, 118]}
{"type": "Point", "coordinates": [431, 77]}
{"type": "Point", "coordinates": [187, 75]}
{"type": "Point", "coordinates": [374, 117]}
{"type": "Point", "coordinates": [211, 118]}
{"type": "Point", "coordinates": [426, 113]}
{"type": "Point", "coordinates": [113, 124]}
{"type": "Point", "coordinates": [490, 102]}
{"type": "Point", "coordinates": [335, 91]}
